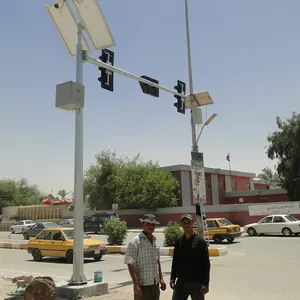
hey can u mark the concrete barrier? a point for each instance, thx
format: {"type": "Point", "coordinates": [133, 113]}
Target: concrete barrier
{"type": "Point", "coordinates": [164, 251]}
{"type": "Point", "coordinates": [167, 251]}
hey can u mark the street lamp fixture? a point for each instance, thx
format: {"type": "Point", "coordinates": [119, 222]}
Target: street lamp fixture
{"type": "Point", "coordinates": [207, 122]}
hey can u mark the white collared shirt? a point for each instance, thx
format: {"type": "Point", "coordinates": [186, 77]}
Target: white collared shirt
{"type": "Point", "coordinates": [144, 255]}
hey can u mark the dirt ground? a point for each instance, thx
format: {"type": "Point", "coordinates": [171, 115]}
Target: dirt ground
{"type": "Point", "coordinates": [6, 286]}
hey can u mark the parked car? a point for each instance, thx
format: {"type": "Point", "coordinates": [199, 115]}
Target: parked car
{"type": "Point", "coordinates": [58, 242]}
{"type": "Point", "coordinates": [95, 222]}
{"type": "Point", "coordinates": [220, 229]}
{"type": "Point", "coordinates": [37, 228]}
{"type": "Point", "coordinates": [22, 226]}
{"type": "Point", "coordinates": [66, 223]}
{"type": "Point", "coordinates": [275, 224]}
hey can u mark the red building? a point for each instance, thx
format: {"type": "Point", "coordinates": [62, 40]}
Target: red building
{"type": "Point", "coordinates": [224, 187]}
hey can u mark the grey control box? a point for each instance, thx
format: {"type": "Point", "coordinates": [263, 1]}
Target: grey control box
{"type": "Point", "coordinates": [69, 95]}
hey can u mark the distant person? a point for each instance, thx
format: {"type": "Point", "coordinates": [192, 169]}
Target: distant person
{"type": "Point", "coordinates": [190, 273]}
{"type": "Point", "coordinates": [143, 260]}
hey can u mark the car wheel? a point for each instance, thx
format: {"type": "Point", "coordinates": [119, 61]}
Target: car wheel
{"type": "Point", "coordinates": [230, 240]}
{"type": "Point", "coordinates": [287, 232]}
{"type": "Point", "coordinates": [69, 257]}
{"type": "Point", "coordinates": [217, 239]}
{"type": "Point", "coordinates": [26, 236]}
{"type": "Point", "coordinates": [23, 230]}
{"type": "Point", "coordinates": [37, 255]}
{"type": "Point", "coordinates": [97, 258]}
{"type": "Point", "coordinates": [251, 231]}
{"type": "Point", "coordinates": [12, 231]}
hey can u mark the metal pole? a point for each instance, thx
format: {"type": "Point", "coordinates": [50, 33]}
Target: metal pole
{"type": "Point", "coordinates": [200, 222]}
{"type": "Point", "coordinates": [78, 276]}
{"type": "Point", "coordinates": [188, 40]}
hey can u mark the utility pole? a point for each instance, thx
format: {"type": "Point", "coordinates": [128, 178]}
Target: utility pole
{"type": "Point", "coordinates": [197, 163]}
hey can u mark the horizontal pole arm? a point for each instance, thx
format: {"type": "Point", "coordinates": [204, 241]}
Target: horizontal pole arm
{"type": "Point", "coordinates": [129, 75]}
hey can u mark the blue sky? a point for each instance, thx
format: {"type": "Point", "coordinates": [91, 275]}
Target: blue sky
{"type": "Point", "coordinates": [245, 53]}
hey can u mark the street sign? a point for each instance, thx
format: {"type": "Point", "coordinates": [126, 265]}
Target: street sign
{"type": "Point", "coordinates": [148, 89]}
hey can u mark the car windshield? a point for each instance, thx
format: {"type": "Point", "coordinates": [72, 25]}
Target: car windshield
{"type": "Point", "coordinates": [224, 222]}
{"type": "Point", "coordinates": [28, 222]}
{"type": "Point", "coordinates": [69, 234]}
{"type": "Point", "coordinates": [291, 218]}
{"type": "Point", "coordinates": [50, 225]}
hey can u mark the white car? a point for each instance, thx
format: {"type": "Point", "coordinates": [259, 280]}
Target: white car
{"type": "Point", "coordinates": [275, 224]}
{"type": "Point", "coordinates": [22, 226]}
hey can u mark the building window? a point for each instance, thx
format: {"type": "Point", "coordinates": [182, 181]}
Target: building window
{"type": "Point", "coordinates": [248, 186]}
{"type": "Point", "coordinates": [234, 186]}
{"type": "Point", "coordinates": [222, 184]}
{"type": "Point", "coordinates": [208, 185]}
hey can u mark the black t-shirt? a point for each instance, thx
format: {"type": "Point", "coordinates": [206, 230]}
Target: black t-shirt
{"type": "Point", "coordinates": [191, 260]}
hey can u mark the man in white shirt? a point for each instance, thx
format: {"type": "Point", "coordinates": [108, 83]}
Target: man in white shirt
{"type": "Point", "coordinates": [143, 260]}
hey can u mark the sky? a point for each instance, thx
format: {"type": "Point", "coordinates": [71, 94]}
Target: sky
{"type": "Point", "coordinates": [245, 53]}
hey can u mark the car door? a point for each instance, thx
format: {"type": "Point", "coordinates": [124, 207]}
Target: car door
{"type": "Point", "coordinates": [44, 242]}
{"type": "Point", "coordinates": [36, 229]}
{"type": "Point", "coordinates": [212, 226]}
{"type": "Point", "coordinates": [57, 248]}
{"type": "Point", "coordinates": [278, 224]}
{"type": "Point", "coordinates": [19, 227]}
{"type": "Point", "coordinates": [265, 225]}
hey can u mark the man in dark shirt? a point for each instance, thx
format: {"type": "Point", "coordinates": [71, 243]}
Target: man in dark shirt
{"type": "Point", "coordinates": [191, 265]}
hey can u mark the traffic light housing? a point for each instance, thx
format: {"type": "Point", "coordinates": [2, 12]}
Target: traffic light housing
{"type": "Point", "coordinates": [180, 88]}
{"type": "Point", "coordinates": [107, 76]}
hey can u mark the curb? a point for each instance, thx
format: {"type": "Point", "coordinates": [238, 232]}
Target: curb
{"type": "Point", "coordinates": [163, 251]}
{"type": "Point", "coordinates": [16, 245]}
{"type": "Point", "coordinates": [167, 251]}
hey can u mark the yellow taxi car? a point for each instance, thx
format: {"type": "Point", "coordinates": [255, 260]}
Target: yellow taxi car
{"type": "Point", "coordinates": [58, 242]}
{"type": "Point", "coordinates": [220, 229]}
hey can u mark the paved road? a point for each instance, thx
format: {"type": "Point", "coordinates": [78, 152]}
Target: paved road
{"type": "Point", "coordinates": [256, 268]}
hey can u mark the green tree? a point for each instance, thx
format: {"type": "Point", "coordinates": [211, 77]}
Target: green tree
{"type": "Point", "coordinates": [99, 181]}
{"type": "Point", "coordinates": [62, 193]}
{"type": "Point", "coordinates": [284, 145]}
{"type": "Point", "coordinates": [145, 185]}
{"type": "Point", "coordinates": [270, 177]}
{"type": "Point", "coordinates": [129, 183]}
{"type": "Point", "coordinates": [16, 193]}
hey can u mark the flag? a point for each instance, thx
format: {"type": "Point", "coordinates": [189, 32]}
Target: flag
{"type": "Point", "coordinates": [228, 157]}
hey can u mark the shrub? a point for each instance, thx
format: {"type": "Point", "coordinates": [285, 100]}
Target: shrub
{"type": "Point", "coordinates": [172, 232]}
{"type": "Point", "coordinates": [116, 231]}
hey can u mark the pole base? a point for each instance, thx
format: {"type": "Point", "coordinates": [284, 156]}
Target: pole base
{"type": "Point", "coordinates": [75, 281]}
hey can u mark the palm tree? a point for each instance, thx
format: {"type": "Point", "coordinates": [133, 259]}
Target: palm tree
{"type": "Point", "coordinates": [63, 193]}
{"type": "Point", "coordinates": [270, 177]}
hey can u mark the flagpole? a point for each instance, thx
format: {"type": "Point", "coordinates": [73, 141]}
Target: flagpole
{"type": "Point", "coordinates": [229, 162]}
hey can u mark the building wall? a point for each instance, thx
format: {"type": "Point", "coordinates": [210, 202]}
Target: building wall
{"type": "Point", "coordinates": [261, 186]}
{"type": "Point", "coordinates": [215, 189]}
{"type": "Point", "coordinates": [222, 188]}
{"type": "Point", "coordinates": [239, 183]}
{"type": "Point", "coordinates": [258, 196]}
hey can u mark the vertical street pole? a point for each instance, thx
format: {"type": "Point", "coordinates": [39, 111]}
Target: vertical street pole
{"type": "Point", "coordinates": [78, 276]}
{"type": "Point", "coordinates": [188, 40]}
{"type": "Point", "coordinates": [193, 125]}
